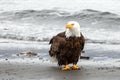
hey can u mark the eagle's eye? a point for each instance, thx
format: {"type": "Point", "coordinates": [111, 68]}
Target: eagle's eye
{"type": "Point", "coordinates": [72, 24]}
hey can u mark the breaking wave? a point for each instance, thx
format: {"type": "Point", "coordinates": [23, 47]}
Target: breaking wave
{"type": "Point", "coordinates": [58, 13]}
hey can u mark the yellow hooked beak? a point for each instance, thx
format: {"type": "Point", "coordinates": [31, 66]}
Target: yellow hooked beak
{"type": "Point", "coordinates": [69, 26]}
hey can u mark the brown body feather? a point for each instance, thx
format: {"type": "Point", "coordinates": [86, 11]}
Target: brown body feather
{"type": "Point", "coordinates": [66, 50]}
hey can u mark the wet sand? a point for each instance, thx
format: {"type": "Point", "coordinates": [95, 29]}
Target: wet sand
{"type": "Point", "coordinates": [34, 70]}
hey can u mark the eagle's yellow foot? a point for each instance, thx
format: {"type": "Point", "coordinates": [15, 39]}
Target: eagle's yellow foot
{"type": "Point", "coordinates": [75, 67]}
{"type": "Point", "coordinates": [65, 68]}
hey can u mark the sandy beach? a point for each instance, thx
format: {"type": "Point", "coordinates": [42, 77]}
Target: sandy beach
{"type": "Point", "coordinates": [44, 70]}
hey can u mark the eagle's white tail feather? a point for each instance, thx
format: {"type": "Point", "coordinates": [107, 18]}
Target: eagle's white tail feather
{"type": "Point", "coordinates": [53, 59]}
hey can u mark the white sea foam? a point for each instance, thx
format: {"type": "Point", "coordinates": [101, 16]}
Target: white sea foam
{"type": "Point", "coordinates": [35, 32]}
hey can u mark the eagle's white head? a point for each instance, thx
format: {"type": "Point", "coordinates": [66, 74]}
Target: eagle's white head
{"type": "Point", "coordinates": [72, 29]}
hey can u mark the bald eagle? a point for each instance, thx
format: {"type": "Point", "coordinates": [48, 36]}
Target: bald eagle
{"type": "Point", "coordinates": [66, 47]}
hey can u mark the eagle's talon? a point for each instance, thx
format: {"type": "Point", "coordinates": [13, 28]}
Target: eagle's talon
{"type": "Point", "coordinates": [75, 67]}
{"type": "Point", "coordinates": [65, 68]}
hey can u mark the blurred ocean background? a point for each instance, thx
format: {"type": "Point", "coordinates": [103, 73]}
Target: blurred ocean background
{"type": "Point", "coordinates": [28, 25]}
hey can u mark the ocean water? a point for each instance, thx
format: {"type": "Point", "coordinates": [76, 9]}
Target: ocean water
{"type": "Point", "coordinates": [41, 25]}
{"type": "Point", "coordinates": [35, 22]}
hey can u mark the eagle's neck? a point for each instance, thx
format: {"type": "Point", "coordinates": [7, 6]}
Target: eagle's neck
{"type": "Point", "coordinates": [72, 33]}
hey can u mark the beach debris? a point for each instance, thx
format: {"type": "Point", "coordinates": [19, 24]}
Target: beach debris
{"type": "Point", "coordinates": [84, 57]}
{"type": "Point", "coordinates": [29, 54]}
